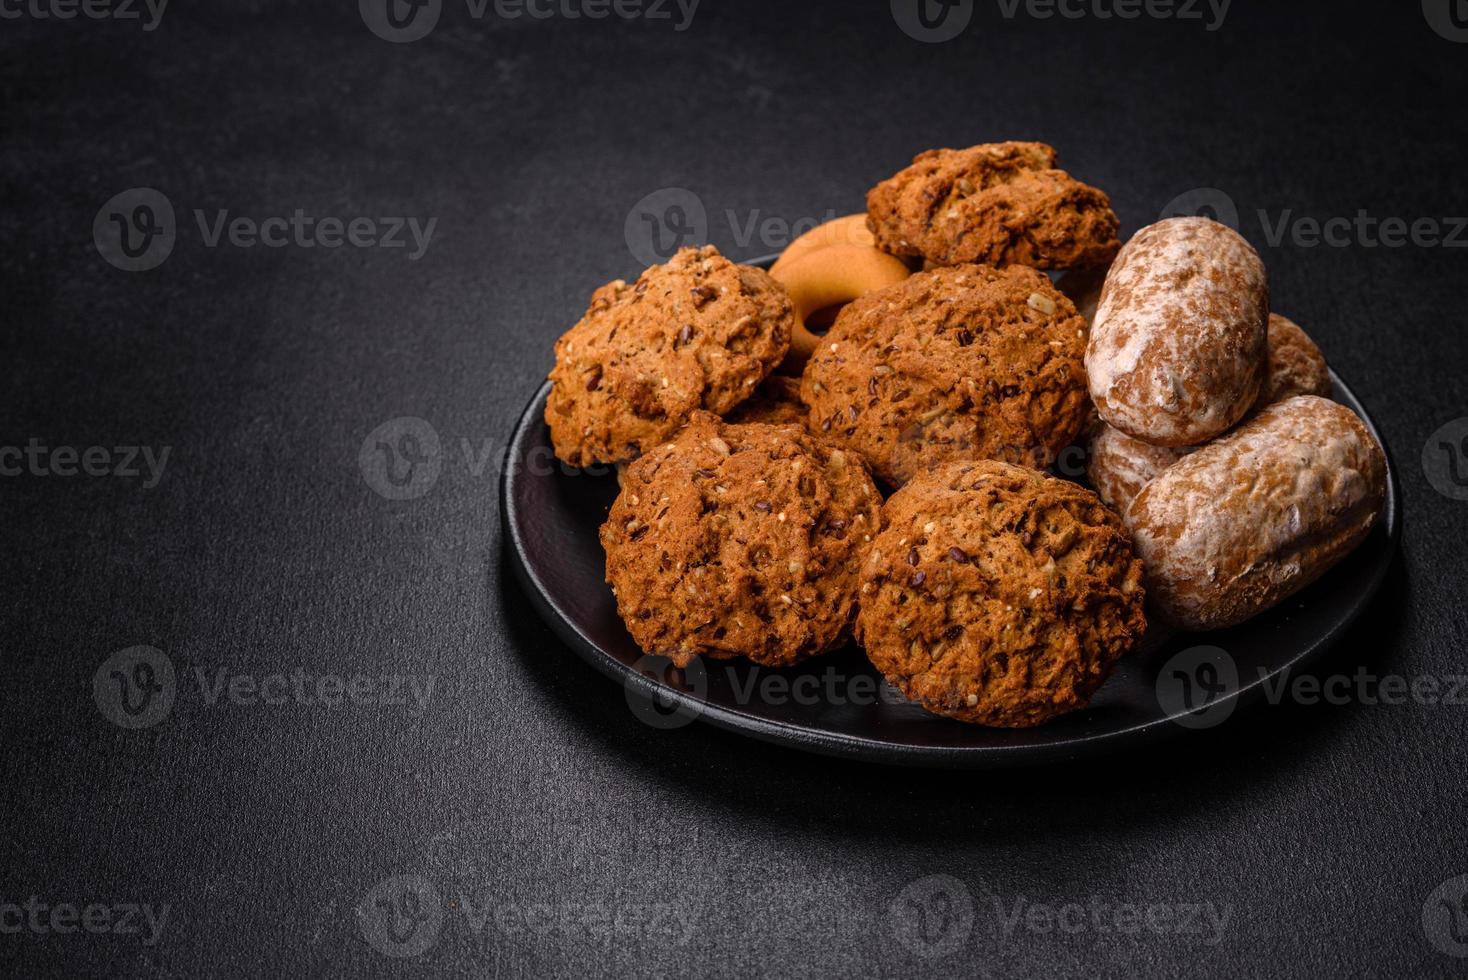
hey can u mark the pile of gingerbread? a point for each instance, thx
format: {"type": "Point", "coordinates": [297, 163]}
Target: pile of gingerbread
{"type": "Point", "coordinates": [924, 349]}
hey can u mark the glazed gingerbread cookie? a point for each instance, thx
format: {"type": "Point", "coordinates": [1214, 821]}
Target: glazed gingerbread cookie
{"type": "Point", "coordinates": [998, 203]}
{"type": "Point", "coordinates": [1296, 366]}
{"type": "Point", "coordinates": [965, 361]}
{"type": "Point", "coordinates": [998, 595]}
{"type": "Point", "coordinates": [697, 332]}
{"type": "Point", "coordinates": [1178, 349]}
{"type": "Point", "coordinates": [740, 540]}
{"type": "Point", "coordinates": [1119, 466]}
{"type": "Point", "coordinates": [1252, 518]}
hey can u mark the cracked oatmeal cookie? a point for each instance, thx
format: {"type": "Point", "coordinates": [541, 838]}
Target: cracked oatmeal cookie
{"type": "Point", "coordinates": [998, 595]}
{"type": "Point", "coordinates": [965, 361]}
{"type": "Point", "coordinates": [740, 540]}
{"type": "Point", "coordinates": [997, 203]}
{"type": "Point", "coordinates": [697, 332]}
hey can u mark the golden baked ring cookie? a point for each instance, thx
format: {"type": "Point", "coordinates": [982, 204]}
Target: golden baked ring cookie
{"type": "Point", "coordinates": [831, 276]}
{"type": "Point", "coordinates": [850, 230]}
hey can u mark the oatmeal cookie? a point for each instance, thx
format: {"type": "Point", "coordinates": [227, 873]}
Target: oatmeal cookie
{"type": "Point", "coordinates": [698, 332]}
{"type": "Point", "coordinates": [740, 540]}
{"type": "Point", "coordinates": [998, 595]}
{"type": "Point", "coordinates": [964, 361]}
{"type": "Point", "coordinates": [997, 203]}
{"type": "Point", "coordinates": [775, 402]}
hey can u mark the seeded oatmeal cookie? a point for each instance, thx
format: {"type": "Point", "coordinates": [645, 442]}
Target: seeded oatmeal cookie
{"type": "Point", "coordinates": [965, 361]}
{"type": "Point", "coordinates": [740, 540]}
{"type": "Point", "coordinates": [697, 332]}
{"type": "Point", "coordinates": [998, 595]}
{"type": "Point", "coordinates": [997, 203]}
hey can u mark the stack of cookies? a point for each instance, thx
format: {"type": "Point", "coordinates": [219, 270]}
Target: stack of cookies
{"type": "Point", "coordinates": [1214, 437]}
{"type": "Point", "coordinates": [750, 521]}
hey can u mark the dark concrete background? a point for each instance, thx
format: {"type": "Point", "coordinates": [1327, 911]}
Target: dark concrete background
{"type": "Point", "coordinates": [526, 785]}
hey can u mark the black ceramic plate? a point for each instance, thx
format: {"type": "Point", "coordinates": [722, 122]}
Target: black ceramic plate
{"type": "Point", "coordinates": [838, 705]}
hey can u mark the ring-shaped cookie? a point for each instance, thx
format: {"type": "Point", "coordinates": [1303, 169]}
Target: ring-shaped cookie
{"type": "Point", "coordinates": [850, 230]}
{"type": "Point", "coordinates": [831, 276]}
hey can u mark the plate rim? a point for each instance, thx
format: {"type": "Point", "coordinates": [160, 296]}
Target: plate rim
{"type": "Point", "coordinates": [842, 745]}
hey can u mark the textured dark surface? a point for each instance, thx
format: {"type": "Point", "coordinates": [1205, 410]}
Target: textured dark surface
{"type": "Point", "coordinates": [527, 784]}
